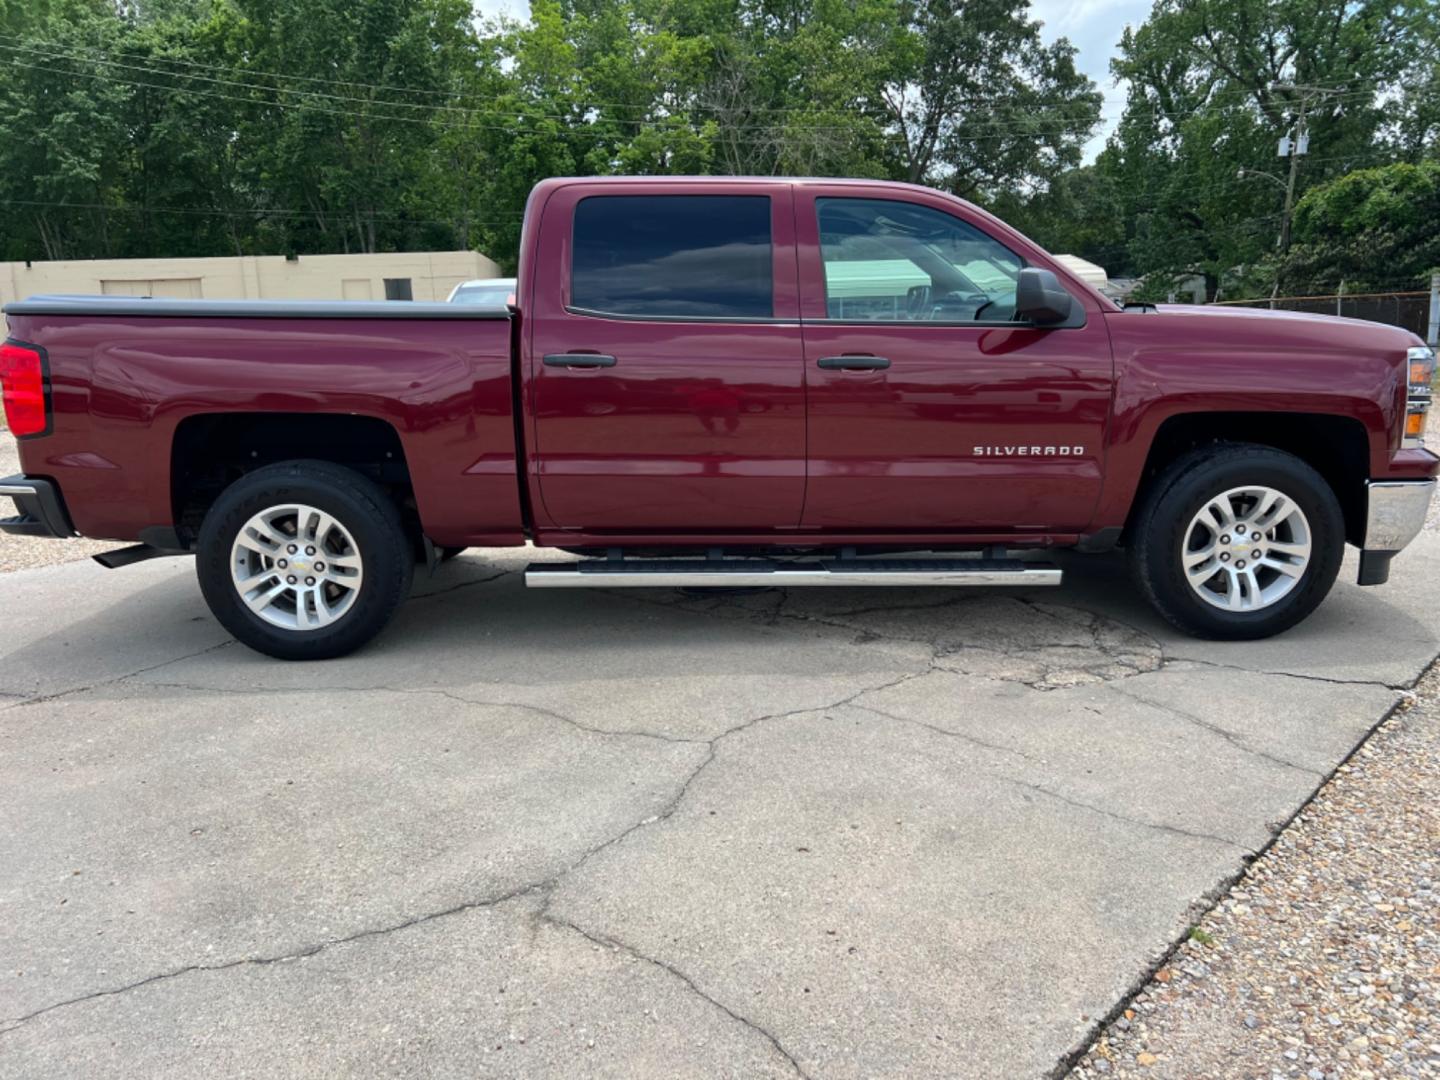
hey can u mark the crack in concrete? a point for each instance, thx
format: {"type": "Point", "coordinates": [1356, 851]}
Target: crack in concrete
{"type": "Point", "coordinates": [958, 600]}
{"type": "Point", "coordinates": [712, 751]}
{"type": "Point", "coordinates": [726, 607]}
{"type": "Point", "coordinates": [1148, 653]}
{"type": "Point", "coordinates": [40, 699]}
{"type": "Point", "coordinates": [463, 585]}
{"type": "Point", "coordinates": [544, 887]}
{"type": "Point", "coordinates": [1157, 826]}
{"type": "Point", "coordinates": [961, 735]}
{"type": "Point", "coordinates": [1212, 896]}
{"type": "Point", "coordinates": [630, 950]}
{"type": "Point", "coordinates": [1115, 650]}
{"type": "Point", "coordinates": [1233, 738]}
{"type": "Point", "coordinates": [1304, 675]}
{"type": "Point", "coordinates": [1041, 789]}
{"type": "Point", "coordinates": [13, 1023]}
{"type": "Point", "coordinates": [539, 710]}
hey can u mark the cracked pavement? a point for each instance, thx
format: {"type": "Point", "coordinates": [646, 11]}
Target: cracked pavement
{"type": "Point", "coordinates": [825, 833]}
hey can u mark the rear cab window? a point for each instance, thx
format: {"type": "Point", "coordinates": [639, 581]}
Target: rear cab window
{"type": "Point", "coordinates": [694, 257]}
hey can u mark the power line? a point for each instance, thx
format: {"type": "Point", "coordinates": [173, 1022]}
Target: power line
{"type": "Point", "coordinates": [589, 130]}
{"type": "Point", "coordinates": [581, 107]}
{"type": "Point", "coordinates": [57, 52]}
{"type": "Point", "coordinates": [518, 113]}
{"type": "Point", "coordinates": [1342, 87]}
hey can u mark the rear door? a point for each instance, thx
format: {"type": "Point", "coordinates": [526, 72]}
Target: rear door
{"type": "Point", "coordinates": [929, 407]}
{"type": "Point", "coordinates": [666, 363]}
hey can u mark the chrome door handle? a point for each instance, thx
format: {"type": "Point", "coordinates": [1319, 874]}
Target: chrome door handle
{"type": "Point", "coordinates": [579, 360]}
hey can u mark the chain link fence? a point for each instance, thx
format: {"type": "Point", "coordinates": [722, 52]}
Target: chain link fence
{"type": "Point", "coordinates": [1408, 309]}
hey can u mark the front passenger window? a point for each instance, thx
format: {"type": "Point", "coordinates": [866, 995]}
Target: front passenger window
{"type": "Point", "coordinates": [900, 262]}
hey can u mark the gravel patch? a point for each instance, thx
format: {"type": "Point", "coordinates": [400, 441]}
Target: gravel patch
{"type": "Point", "coordinates": [1323, 961]}
{"type": "Point", "coordinates": [28, 552]}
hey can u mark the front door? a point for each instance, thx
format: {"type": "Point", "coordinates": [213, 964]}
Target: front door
{"type": "Point", "coordinates": [930, 409]}
{"type": "Point", "coordinates": [666, 364]}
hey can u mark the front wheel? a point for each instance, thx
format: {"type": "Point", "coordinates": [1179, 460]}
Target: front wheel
{"type": "Point", "coordinates": [303, 560]}
{"type": "Point", "coordinates": [1238, 542]}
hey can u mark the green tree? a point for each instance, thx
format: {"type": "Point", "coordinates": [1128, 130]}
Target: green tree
{"type": "Point", "coordinates": [341, 161]}
{"type": "Point", "coordinates": [980, 103]}
{"type": "Point", "coordinates": [1213, 85]}
{"type": "Point", "coordinates": [63, 137]}
{"type": "Point", "coordinates": [1079, 213]}
{"type": "Point", "coordinates": [1370, 229]}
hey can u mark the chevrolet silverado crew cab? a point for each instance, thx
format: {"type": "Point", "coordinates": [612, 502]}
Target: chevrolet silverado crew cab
{"type": "Point", "coordinates": [724, 382]}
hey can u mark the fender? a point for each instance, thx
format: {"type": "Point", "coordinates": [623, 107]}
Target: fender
{"type": "Point", "coordinates": [1178, 361]}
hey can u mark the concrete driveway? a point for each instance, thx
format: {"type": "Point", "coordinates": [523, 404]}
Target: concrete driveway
{"type": "Point", "coordinates": [828, 833]}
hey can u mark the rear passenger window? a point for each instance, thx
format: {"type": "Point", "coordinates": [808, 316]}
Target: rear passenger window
{"type": "Point", "coordinates": [701, 256]}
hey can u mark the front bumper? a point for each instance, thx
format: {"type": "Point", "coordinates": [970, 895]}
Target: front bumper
{"type": "Point", "coordinates": [1396, 514]}
{"type": "Point", "coordinates": [41, 510]}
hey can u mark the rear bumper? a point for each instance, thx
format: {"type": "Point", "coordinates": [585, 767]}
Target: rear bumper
{"type": "Point", "coordinates": [41, 510]}
{"type": "Point", "coordinates": [1396, 514]}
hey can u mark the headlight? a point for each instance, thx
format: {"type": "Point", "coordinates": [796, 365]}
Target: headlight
{"type": "Point", "coordinates": [1417, 403]}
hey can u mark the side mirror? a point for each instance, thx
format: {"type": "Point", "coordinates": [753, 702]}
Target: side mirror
{"type": "Point", "coordinates": [916, 297]}
{"type": "Point", "coordinates": [1040, 298]}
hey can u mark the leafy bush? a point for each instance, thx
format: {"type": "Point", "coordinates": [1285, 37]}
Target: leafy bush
{"type": "Point", "coordinates": [1374, 230]}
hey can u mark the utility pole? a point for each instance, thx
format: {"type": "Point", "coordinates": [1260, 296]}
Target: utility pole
{"type": "Point", "coordinates": [1295, 144]}
{"type": "Point", "coordinates": [1288, 188]}
{"type": "Point", "coordinates": [1292, 145]}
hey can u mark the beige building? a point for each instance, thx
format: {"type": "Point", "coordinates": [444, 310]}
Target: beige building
{"type": "Point", "coordinates": [418, 275]}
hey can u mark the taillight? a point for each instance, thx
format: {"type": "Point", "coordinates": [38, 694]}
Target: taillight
{"type": "Point", "coordinates": [22, 382]}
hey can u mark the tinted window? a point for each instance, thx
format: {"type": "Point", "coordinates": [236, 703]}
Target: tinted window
{"type": "Point", "coordinates": [900, 261]}
{"type": "Point", "coordinates": [705, 256]}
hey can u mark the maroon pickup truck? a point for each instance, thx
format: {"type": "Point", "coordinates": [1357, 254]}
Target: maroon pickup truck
{"type": "Point", "coordinates": [733, 382]}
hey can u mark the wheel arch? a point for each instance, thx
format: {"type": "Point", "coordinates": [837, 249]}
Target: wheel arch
{"type": "Point", "coordinates": [210, 451]}
{"type": "Point", "coordinates": [1337, 447]}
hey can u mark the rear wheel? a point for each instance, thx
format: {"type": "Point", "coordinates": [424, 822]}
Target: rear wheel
{"type": "Point", "coordinates": [304, 560]}
{"type": "Point", "coordinates": [1238, 542]}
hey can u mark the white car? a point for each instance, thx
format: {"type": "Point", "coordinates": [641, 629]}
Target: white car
{"type": "Point", "coordinates": [490, 292]}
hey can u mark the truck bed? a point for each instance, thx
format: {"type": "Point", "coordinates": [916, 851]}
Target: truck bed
{"type": "Point", "coordinates": [132, 378]}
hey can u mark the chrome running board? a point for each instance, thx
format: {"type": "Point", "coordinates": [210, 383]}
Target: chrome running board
{"type": "Point", "coordinates": [745, 573]}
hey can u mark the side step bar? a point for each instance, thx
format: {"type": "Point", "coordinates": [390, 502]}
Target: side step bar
{"type": "Point", "coordinates": [739, 573]}
{"type": "Point", "coordinates": [129, 556]}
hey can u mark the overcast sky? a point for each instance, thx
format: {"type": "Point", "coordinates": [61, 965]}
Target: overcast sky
{"type": "Point", "coordinates": [1093, 26]}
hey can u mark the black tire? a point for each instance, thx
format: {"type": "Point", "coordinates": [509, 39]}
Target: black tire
{"type": "Point", "coordinates": [1159, 536]}
{"type": "Point", "coordinates": [357, 504]}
